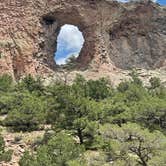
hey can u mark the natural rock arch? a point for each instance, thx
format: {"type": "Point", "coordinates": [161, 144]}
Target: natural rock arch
{"type": "Point", "coordinates": [52, 23]}
{"type": "Point", "coordinates": [28, 31]}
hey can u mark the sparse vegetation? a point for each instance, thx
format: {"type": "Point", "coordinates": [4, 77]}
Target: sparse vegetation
{"type": "Point", "coordinates": [4, 155]}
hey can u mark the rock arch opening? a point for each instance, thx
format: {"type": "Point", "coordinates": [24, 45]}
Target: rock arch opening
{"type": "Point", "coordinates": [63, 35]}
{"type": "Point", "coordinates": [70, 41]}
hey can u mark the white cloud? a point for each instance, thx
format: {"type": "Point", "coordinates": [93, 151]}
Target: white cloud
{"type": "Point", "coordinates": [122, 0]}
{"type": "Point", "coordinates": [62, 61]}
{"type": "Point", "coordinates": [70, 41]}
{"type": "Point", "coordinates": [71, 37]}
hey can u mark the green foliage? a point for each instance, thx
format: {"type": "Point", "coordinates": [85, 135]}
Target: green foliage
{"type": "Point", "coordinates": [135, 93]}
{"type": "Point", "coordinates": [27, 114]}
{"type": "Point", "coordinates": [26, 160]}
{"type": "Point", "coordinates": [4, 155]}
{"type": "Point", "coordinates": [7, 101]}
{"type": "Point", "coordinates": [135, 77]}
{"type": "Point", "coordinates": [94, 89]}
{"type": "Point", "coordinates": [151, 113]}
{"type": "Point", "coordinates": [155, 82]}
{"type": "Point", "coordinates": [98, 89]}
{"type": "Point", "coordinates": [2, 145]}
{"type": "Point", "coordinates": [91, 122]}
{"type": "Point", "coordinates": [156, 88]}
{"type": "Point", "coordinates": [80, 116]}
{"type": "Point", "coordinates": [31, 84]}
{"type": "Point", "coordinates": [6, 83]}
{"type": "Point", "coordinates": [123, 86]}
{"type": "Point", "coordinates": [60, 149]}
{"type": "Point", "coordinates": [71, 62]}
{"type": "Point", "coordinates": [132, 144]}
{"type": "Point", "coordinates": [75, 107]}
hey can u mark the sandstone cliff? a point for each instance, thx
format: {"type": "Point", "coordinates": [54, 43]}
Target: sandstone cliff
{"type": "Point", "coordinates": [117, 36]}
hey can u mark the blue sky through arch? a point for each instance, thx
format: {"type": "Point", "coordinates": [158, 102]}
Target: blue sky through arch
{"type": "Point", "coordinates": [161, 2]}
{"type": "Point", "coordinates": [69, 42]}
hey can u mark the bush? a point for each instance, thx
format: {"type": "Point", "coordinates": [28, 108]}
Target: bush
{"type": "Point", "coordinates": [135, 78]}
{"type": "Point", "coordinates": [31, 84]}
{"type": "Point", "coordinates": [6, 83]}
{"type": "Point", "coordinates": [123, 86]}
{"type": "Point", "coordinates": [58, 151]}
{"type": "Point", "coordinates": [28, 115]}
{"type": "Point", "coordinates": [7, 102]}
{"type": "Point", "coordinates": [79, 113]}
{"type": "Point", "coordinates": [4, 155]}
{"type": "Point", "coordinates": [2, 145]}
{"type": "Point", "coordinates": [26, 159]}
{"type": "Point", "coordinates": [155, 82]}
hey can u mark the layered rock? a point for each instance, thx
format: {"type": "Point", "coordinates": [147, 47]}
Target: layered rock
{"type": "Point", "coordinates": [116, 35]}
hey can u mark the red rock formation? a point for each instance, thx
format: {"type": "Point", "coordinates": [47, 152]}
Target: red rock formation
{"type": "Point", "coordinates": [116, 35]}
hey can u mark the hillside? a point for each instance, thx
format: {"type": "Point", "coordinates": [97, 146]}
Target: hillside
{"type": "Point", "coordinates": [104, 107]}
{"type": "Point", "coordinates": [118, 37]}
{"type": "Point", "coordinates": [87, 123]}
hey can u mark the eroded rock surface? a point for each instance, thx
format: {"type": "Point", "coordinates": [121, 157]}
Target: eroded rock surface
{"type": "Point", "coordinates": [117, 36]}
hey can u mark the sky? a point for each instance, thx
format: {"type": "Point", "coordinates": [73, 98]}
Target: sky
{"type": "Point", "coordinates": [162, 2]}
{"type": "Point", "coordinates": [70, 40]}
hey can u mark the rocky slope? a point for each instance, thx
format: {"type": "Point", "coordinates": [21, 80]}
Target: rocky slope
{"type": "Point", "coordinates": [117, 36]}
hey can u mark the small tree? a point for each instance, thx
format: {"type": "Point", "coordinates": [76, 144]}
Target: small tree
{"type": "Point", "coordinates": [123, 86]}
{"type": "Point", "coordinates": [6, 83]}
{"type": "Point", "coordinates": [79, 115]}
{"type": "Point", "coordinates": [71, 62]}
{"type": "Point", "coordinates": [4, 155]}
{"type": "Point", "coordinates": [60, 149]}
{"type": "Point", "coordinates": [31, 84]}
{"type": "Point", "coordinates": [98, 89]}
{"type": "Point", "coordinates": [26, 159]}
{"type": "Point", "coordinates": [132, 144]}
{"type": "Point", "coordinates": [28, 114]}
{"type": "Point", "coordinates": [135, 78]}
{"type": "Point", "coordinates": [7, 102]}
{"type": "Point", "coordinates": [155, 82]}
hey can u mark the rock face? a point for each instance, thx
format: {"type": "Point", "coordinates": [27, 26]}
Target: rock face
{"type": "Point", "coordinates": [116, 35]}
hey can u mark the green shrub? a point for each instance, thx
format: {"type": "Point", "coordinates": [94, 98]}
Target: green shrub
{"type": "Point", "coordinates": [155, 82]}
{"type": "Point", "coordinates": [58, 151]}
{"type": "Point", "coordinates": [26, 159]}
{"type": "Point", "coordinates": [7, 102]}
{"type": "Point", "coordinates": [6, 83]}
{"type": "Point", "coordinates": [31, 84]}
{"type": "Point", "coordinates": [6, 156]}
{"type": "Point", "coordinates": [2, 145]}
{"type": "Point", "coordinates": [28, 115]}
{"type": "Point", "coordinates": [90, 114]}
{"type": "Point", "coordinates": [123, 86]}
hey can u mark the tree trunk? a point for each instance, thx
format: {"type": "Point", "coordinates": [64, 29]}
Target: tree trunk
{"type": "Point", "coordinates": [79, 132]}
